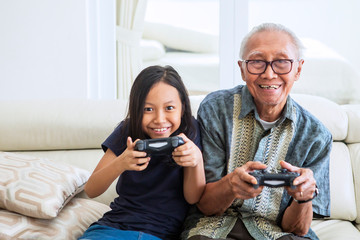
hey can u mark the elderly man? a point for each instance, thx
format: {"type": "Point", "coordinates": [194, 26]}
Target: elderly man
{"type": "Point", "coordinates": [258, 126]}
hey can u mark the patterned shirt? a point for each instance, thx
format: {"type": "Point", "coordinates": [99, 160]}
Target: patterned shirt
{"type": "Point", "coordinates": [233, 135]}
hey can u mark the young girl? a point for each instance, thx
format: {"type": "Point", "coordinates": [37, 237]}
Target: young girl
{"type": "Point", "coordinates": [154, 192]}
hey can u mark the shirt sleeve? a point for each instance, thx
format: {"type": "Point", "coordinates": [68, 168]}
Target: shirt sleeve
{"type": "Point", "coordinates": [311, 149]}
{"type": "Point", "coordinates": [116, 141]}
{"type": "Point", "coordinates": [318, 161]}
{"type": "Point", "coordinates": [214, 149]}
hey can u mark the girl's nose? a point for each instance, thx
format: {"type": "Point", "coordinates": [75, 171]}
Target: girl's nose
{"type": "Point", "coordinates": [160, 117]}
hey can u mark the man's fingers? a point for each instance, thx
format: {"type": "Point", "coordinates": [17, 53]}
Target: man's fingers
{"type": "Point", "coordinates": [251, 166]}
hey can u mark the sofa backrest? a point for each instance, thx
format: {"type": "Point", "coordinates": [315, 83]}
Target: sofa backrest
{"type": "Point", "coordinates": [58, 124]}
{"type": "Point", "coordinates": [72, 131]}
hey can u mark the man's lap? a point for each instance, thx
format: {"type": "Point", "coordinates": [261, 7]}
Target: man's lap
{"type": "Point", "coordinates": [239, 231]}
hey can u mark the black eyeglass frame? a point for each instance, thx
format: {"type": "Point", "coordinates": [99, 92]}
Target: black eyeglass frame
{"type": "Point", "coordinates": [271, 65]}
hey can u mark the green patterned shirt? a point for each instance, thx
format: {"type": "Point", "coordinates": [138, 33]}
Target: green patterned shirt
{"type": "Point", "coordinates": [232, 135]}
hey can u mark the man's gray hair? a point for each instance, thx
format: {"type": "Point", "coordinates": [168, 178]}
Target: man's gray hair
{"type": "Point", "coordinates": [272, 27]}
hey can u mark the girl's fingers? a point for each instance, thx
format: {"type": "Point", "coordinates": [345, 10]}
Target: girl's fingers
{"type": "Point", "coordinates": [186, 161]}
{"type": "Point", "coordinates": [184, 137]}
{"type": "Point", "coordinates": [141, 167]}
{"type": "Point", "coordinates": [138, 154]}
{"type": "Point", "coordinates": [129, 142]}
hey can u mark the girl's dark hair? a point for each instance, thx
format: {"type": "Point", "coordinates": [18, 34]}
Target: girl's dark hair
{"type": "Point", "coordinates": [146, 79]}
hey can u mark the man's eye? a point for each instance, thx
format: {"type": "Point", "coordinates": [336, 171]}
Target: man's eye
{"type": "Point", "coordinates": [282, 61]}
{"type": "Point", "coordinates": [257, 63]}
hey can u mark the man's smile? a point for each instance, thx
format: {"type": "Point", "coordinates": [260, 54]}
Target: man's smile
{"type": "Point", "coordinates": [269, 86]}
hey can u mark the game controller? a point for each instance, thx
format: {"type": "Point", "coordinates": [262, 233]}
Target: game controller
{"type": "Point", "coordinates": [159, 146]}
{"type": "Point", "coordinates": [282, 178]}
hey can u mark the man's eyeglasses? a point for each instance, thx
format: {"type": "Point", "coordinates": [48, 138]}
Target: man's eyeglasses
{"type": "Point", "coordinates": [280, 66]}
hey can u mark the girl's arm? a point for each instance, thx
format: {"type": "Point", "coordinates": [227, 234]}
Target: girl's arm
{"type": "Point", "coordinates": [190, 157]}
{"type": "Point", "coordinates": [111, 166]}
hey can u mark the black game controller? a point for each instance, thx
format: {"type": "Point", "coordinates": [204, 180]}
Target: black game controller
{"type": "Point", "coordinates": [282, 178]}
{"type": "Point", "coordinates": [158, 146]}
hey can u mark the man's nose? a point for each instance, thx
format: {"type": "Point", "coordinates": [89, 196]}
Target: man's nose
{"type": "Point", "coordinates": [269, 72]}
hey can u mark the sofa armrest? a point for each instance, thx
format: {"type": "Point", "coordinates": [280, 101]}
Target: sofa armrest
{"type": "Point", "coordinates": [355, 162]}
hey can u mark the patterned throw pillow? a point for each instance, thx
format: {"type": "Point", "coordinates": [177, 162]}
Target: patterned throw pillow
{"type": "Point", "coordinates": [37, 187]}
{"type": "Point", "coordinates": [70, 224]}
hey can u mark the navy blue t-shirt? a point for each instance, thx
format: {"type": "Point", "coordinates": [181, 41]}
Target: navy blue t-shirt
{"type": "Point", "coordinates": [152, 200]}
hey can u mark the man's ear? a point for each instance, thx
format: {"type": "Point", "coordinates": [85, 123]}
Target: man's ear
{"type": "Point", "coordinates": [299, 68]}
{"type": "Point", "coordinates": [241, 70]}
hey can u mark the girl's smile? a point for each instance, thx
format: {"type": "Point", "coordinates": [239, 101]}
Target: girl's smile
{"type": "Point", "coordinates": [162, 111]}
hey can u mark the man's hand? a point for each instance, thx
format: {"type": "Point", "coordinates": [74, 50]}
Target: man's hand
{"type": "Point", "coordinates": [305, 183]}
{"type": "Point", "coordinates": [241, 182]}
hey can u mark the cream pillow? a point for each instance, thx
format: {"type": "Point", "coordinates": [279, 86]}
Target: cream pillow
{"type": "Point", "coordinates": [181, 38]}
{"type": "Point", "coordinates": [151, 49]}
{"type": "Point", "coordinates": [37, 187]}
{"type": "Point", "coordinates": [71, 222]}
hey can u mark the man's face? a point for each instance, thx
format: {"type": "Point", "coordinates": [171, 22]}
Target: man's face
{"type": "Point", "coordinates": [270, 90]}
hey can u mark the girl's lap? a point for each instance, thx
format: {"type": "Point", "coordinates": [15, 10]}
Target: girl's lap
{"type": "Point", "coordinates": [108, 233]}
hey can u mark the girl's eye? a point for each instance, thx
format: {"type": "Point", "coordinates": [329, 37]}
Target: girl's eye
{"type": "Point", "coordinates": [169, 108]}
{"type": "Point", "coordinates": [148, 109]}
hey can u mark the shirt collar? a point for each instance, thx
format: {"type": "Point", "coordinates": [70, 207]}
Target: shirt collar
{"type": "Point", "coordinates": [248, 105]}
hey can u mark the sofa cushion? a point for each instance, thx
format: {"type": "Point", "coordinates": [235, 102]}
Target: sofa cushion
{"type": "Point", "coordinates": [328, 112]}
{"type": "Point", "coordinates": [195, 101]}
{"type": "Point", "coordinates": [71, 222]}
{"type": "Point", "coordinates": [342, 193]}
{"type": "Point", "coordinates": [335, 229]}
{"type": "Point", "coordinates": [353, 112]}
{"type": "Point", "coordinates": [37, 187]}
{"type": "Point", "coordinates": [76, 158]}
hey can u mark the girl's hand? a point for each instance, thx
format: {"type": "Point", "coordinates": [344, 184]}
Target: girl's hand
{"type": "Point", "coordinates": [131, 159]}
{"type": "Point", "coordinates": [188, 154]}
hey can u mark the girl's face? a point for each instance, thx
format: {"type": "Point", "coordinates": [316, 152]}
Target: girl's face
{"type": "Point", "coordinates": [162, 111]}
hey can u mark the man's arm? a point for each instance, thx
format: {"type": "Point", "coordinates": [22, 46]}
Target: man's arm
{"type": "Point", "coordinates": [219, 195]}
{"type": "Point", "coordinates": [221, 191]}
{"type": "Point", "coordinates": [298, 216]}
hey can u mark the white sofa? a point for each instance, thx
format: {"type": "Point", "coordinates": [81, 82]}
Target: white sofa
{"type": "Point", "coordinates": [71, 132]}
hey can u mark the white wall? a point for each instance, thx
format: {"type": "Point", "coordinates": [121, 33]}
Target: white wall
{"type": "Point", "coordinates": [50, 49]}
{"type": "Point", "coordinates": [43, 49]}
{"type": "Point", "coordinates": [61, 49]}
{"type": "Point", "coordinates": [233, 27]}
